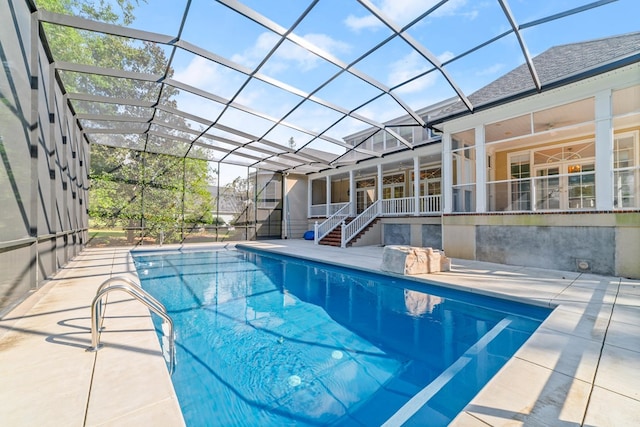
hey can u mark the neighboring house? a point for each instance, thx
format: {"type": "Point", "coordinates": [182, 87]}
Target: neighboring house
{"type": "Point", "coordinates": [227, 203]}
{"type": "Point", "coordinates": [560, 180]}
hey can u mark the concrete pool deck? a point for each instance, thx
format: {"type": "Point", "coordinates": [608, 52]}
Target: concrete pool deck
{"type": "Point", "coordinates": [582, 366]}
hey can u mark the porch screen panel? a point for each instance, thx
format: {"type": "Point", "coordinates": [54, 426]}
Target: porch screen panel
{"type": "Point", "coordinates": [17, 258]}
{"type": "Point", "coordinates": [115, 196]}
{"type": "Point", "coordinates": [519, 191]}
{"type": "Point", "coordinates": [269, 205]}
{"type": "Point", "coordinates": [626, 148]}
{"type": "Point", "coordinates": [464, 171]}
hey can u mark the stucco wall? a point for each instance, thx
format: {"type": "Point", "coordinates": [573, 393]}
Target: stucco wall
{"type": "Point", "coordinates": [296, 193]}
{"type": "Point", "coordinates": [459, 241]}
{"type": "Point", "coordinates": [627, 253]}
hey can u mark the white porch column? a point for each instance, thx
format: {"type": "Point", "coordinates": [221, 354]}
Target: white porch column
{"type": "Point", "coordinates": [352, 194]}
{"type": "Point", "coordinates": [416, 186]}
{"type": "Point", "coordinates": [447, 174]}
{"type": "Point", "coordinates": [379, 185]}
{"type": "Point", "coordinates": [481, 171]}
{"type": "Point", "coordinates": [604, 151]}
{"type": "Point", "coordinates": [328, 196]}
{"type": "Point", "coordinates": [309, 196]}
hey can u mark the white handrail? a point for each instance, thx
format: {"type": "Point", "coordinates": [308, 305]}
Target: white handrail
{"type": "Point", "coordinates": [321, 230]}
{"type": "Point", "coordinates": [359, 223]}
{"type": "Point", "coordinates": [335, 207]}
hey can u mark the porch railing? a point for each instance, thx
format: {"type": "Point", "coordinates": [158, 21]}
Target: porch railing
{"type": "Point", "coordinates": [406, 206]}
{"type": "Point", "coordinates": [386, 207]}
{"type": "Point", "coordinates": [321, 230]}
{"type": "Point", "coordinates": [400, 206]}
{"type": "Point", "coordinates": [430, 204]}
{"type": "Point", "coordinates": [321, 210]}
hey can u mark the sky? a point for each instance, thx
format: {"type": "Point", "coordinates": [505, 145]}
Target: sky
{"type": "Point", "coordinates": [344, 31]}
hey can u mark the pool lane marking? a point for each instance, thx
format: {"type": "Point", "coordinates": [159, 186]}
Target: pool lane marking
{"type": "Point", "coordinates": [419, 399]}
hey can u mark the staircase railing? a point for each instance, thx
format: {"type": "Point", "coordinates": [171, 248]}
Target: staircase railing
{"type": "Point", "coordinates": [321, 230]}
{"type": "Point", "coordinates": [349, 231]}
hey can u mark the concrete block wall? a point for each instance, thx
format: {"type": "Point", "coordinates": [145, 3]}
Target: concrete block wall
{"type": "Point", "coordinates": [603, 243]}
{"type": "Point", "coordinates": [412, 231]}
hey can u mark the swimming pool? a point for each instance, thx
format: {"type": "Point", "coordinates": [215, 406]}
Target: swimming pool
{"type": "Point", "coordinates": [264, 339]}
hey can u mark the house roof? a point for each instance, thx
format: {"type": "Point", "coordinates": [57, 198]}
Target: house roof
{"type": "Point", "coordinates": [557, 66]}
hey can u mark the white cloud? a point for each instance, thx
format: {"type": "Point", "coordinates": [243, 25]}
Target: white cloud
{"type": "Point", "coordinates": [326, 43]}
{"type": "Point", "coordinates": [201, 73]}
{"type": "Point", "coordinates": [492, 70]}
{"type": "Point", "coordinates": [289, 53]}
{"type": "Point", "coordinates": [357, 23]}
{"type": "Point", "coordinates": [412, 65]}
{"type": "Point", "coordinates": [253, 55]}
{"type": "Point", "coordinates": [404, 11]}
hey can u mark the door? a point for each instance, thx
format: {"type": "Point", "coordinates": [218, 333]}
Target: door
{"type": "Point", "coordinates": [548, 188]}
{"type": "Point", "coordinates": [364, 198]}
{"type": "Point", "coordinates": [566, 186]}
{"type": "Point", "coordinates": [365, 193]}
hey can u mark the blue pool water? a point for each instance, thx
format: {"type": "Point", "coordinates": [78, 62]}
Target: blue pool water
{"type": "Point", "coordinates": [268, 340]}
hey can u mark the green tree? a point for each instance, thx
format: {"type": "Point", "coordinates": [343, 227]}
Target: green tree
{"type": "Point", "coordinates": [160, 192]}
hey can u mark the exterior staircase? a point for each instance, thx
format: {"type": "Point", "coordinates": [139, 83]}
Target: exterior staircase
{"type": "Point", "coordinates": [334, 238]}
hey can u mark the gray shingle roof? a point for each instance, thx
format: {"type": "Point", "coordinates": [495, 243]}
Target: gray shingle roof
{"type": "Point", "coordinates": [565, 63]}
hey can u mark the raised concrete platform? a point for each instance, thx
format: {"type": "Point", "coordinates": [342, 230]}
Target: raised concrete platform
{"type": "Point", "coordinates": [581, 367]}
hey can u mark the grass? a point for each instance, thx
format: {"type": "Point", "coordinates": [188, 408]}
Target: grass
{"type": "Point", "coordinates": [105, 237]}
{"type": "Point", "coordinates": [99, 233]}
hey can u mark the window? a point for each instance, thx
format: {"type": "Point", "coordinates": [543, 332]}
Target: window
{"type": "Point", "coordinates": [390, 141]}
{"type": "Point", "coordinates": [406, 132]}
{"type": "Point", "coordinates": [269, 197]}
{"type": "Point", "coordinates": [430, 181]}
{"type": "Point", "coordinates": [393, 186]}
{"type": "Point", "coordinates": [581, 185]}
{"type": "Point", "coordinates": [378, 142]}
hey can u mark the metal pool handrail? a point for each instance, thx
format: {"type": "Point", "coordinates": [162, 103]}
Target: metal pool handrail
{"type": "Point", "coordinates": [138, 293]}
{"type": "Point", "coordinates": [127, 280]}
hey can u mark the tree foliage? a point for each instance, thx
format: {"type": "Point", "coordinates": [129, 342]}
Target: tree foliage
{"type": "Point", "coordinates": [130, 187]}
